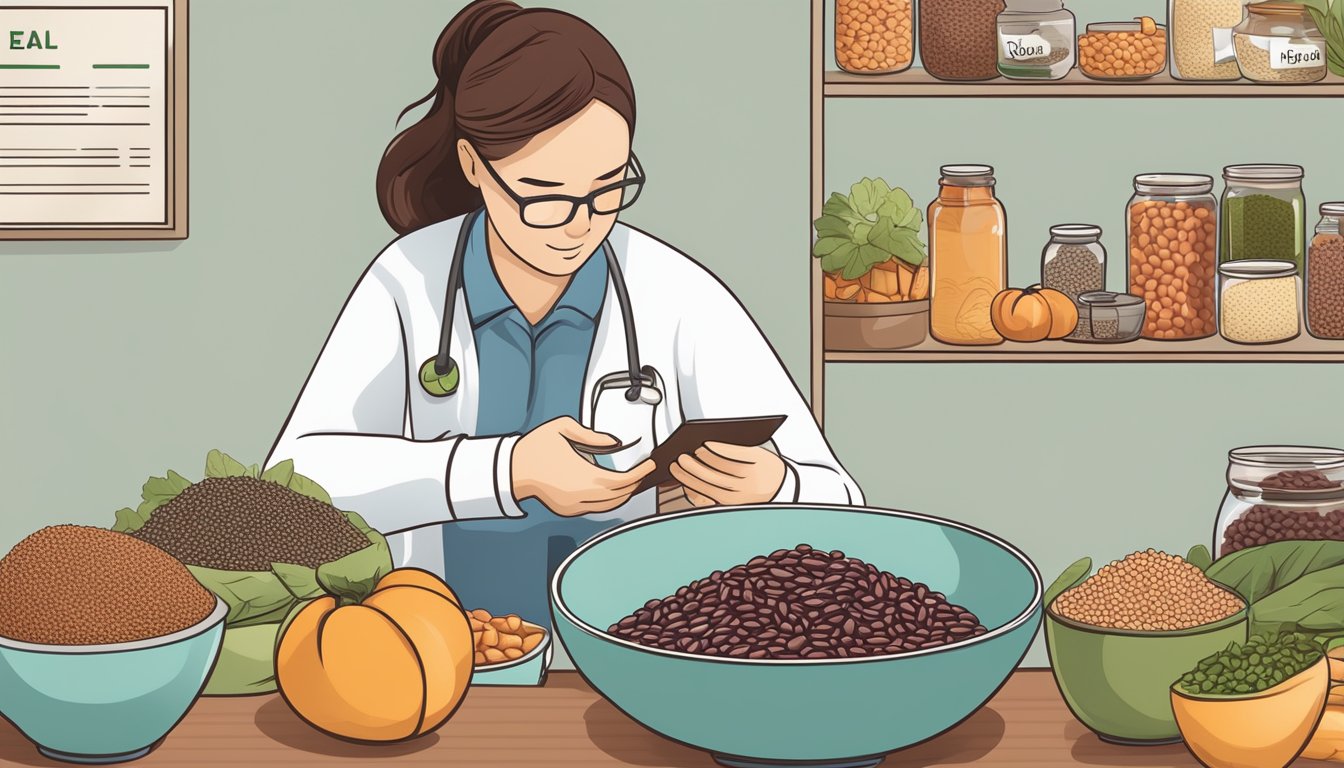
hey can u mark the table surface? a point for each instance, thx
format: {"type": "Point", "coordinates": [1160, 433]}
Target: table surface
{"type": "Point", "coordinates": [565, 723]}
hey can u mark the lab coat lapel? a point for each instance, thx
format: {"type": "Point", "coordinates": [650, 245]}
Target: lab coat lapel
{"type": "Point", "coordinates": [608, 355]}
{"type": "Point", "coordinates": [463, 347]}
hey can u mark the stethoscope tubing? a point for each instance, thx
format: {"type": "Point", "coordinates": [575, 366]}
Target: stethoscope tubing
{"type": "Point", "coordinates": [443, 362]}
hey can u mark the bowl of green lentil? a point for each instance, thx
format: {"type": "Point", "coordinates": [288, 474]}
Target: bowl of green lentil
{"type": "Point", "coordinates": [1253, 704]}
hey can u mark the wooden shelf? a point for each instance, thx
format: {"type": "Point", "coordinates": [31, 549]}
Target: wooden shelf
{"type": "Point", "coordinates": [1303, 349]}
{"type": "Point", "coordinates": [918, 83]}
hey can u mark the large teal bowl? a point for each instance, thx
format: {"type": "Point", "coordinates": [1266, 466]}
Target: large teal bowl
{"type": "Point", "coordinates": [106, 703]}
{"type": "Point", "coordinates": [846, 712]}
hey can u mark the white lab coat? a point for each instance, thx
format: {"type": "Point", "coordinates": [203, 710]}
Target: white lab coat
{"type": "Point", "coordinates": [366, 431]}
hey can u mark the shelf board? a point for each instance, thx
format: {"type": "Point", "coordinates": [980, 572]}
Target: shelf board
{"type": "Point", "coordinates": [918, 83]}
{"type": "Point", "coordinates": [1303, 349]}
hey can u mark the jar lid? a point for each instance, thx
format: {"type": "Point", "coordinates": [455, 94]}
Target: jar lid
{"type": "Point", "coordinates": [966, 171]}
{"type": "Point", "coordinates": [1109, 299]}
{"type": "Point", "coordinates": [1075, 230]}
{"type": "Point", "coordinates": [1117, 26]}
{"type": "Point", "coordinates": [1286, 456]}
{"type": "Point", "coordinates": [1035, 6]}
{"type": "Point", "coordinates": [1332, 209]}
{"type": "Point", "coordinates": [1278, 9]}
{"type": "Point", "coordinates": [1182, 183]}
{"type": "Point", "coordinates": [1253, 269]}
{"type": "Point", "coordinates": [1263, 172]}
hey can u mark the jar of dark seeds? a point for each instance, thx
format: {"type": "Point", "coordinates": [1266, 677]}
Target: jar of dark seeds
{"type": "Point", "coordinates": [1281, 493]}
{"type": "Point", "coordinates": [958, 39]}
{"type": "Point", "coordinates": [1036, 40]}
{"type": "Point", "coordinates": [1325, 275]}
{"type": "Point", "coordinates": [1074, 263]}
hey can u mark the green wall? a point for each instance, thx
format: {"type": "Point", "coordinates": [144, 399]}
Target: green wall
{"type": "Point", "coordinates": [125, 359]}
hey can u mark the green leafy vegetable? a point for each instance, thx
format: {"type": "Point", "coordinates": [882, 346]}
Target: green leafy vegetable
{"type": "Point", "coordinates": [300, 484]}
{"type": "Point", "coordinates": [158, 491]}
{"type": "Point", "coordinates": [1199, 557]}
{"type": "Point", "coordinates": [1291, 586]}
{"type": "Point", "coordinates": [220, 464]}
{"type": "Point", "coordinates": [1071, 577]}
{"type": "Point", "coordinates": [868, 227]}
{"type": "Point", "coordinates": [281, 473]}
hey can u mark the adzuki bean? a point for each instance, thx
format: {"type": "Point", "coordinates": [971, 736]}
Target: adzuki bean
{"type": "Point", "coordinates": [800, 603]}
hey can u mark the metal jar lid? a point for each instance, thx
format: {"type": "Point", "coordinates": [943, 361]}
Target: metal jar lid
{"type": "Point", "coordinates": [1263, 172]}
{"type": "Point", "coordinates": [1076, 232]}
{"type": "Point", "coordinates": [1173, 183]}
{"type": "Point", "coordinates": [1332, 209]}
{"type": "Point", "coordinates": [1257, 269]}
{"type": "Point", "coordinates": [1109, 299]}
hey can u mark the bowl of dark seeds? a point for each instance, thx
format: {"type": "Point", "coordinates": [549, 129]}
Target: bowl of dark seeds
{"type": "Point", "coordinates": [774, 635]}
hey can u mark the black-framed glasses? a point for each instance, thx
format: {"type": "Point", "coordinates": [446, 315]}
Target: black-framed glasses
{"type": "Point", "coordinates": [550, 211]}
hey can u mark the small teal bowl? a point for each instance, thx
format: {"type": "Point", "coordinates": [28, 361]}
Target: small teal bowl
{"type": "Point", "coordinates": [106, 703]}
{"type": "Point", "coordinates": [830, 712]}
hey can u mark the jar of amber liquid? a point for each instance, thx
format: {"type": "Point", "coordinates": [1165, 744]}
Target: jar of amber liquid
{"type": "Point", "coordinates": [968, 252]}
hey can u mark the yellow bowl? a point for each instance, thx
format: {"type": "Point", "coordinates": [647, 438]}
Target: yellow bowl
{"type": "Point", "coordinates": [1268, 729]}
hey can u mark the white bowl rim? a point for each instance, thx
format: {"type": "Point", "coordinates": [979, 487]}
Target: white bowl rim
{"type": "Point", "coordinates": [1037, 597]}
{"type": "Point", "coordinates": [201, 627]}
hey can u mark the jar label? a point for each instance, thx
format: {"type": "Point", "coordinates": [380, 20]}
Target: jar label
{"type": "Point", "coordinates": [1022, 47]}
{"type": "Point", "coordinates": [1284, 54]}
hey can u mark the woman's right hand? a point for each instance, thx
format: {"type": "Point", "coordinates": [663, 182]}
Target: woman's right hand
{"type": "Point", "coordinates": [546, 467]}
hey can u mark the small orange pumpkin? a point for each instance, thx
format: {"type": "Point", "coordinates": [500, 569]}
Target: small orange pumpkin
{"type": "Point", "coordinates": [1033, 314]}
{"type": "Point", "coordinates": [392, 666]}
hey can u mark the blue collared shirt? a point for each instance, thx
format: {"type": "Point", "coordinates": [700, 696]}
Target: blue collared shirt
{"type": "Point", "coordinates": [529, 374]}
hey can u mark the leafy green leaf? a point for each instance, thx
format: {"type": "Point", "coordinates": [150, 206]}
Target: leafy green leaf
{"type": "Point", "coordinates": [353, 577]}
{"type": "Point", "coordinates": [246, 664]}
{"type": "Point", "coordinates": [300, 484]}
{"type": "Point", "coordinates": [840, 207]}
{"type": "Point", "coordinates": [1313, 605]}
{"type": "Point", "coordinates": [129, 520]}
{"type": "Point", "coordinates": [827, 245]}
{"type": "Point", "coordinates": [896, 204]}
{"type": "Point", "coordinates": [863, 259]}
{"type": "Point", "coordinates": [1071, 577]}
{"type": "Point", "coordinates": [254, 471]}
{"type": "Point", "coordinates": [862, 232]}
{"type": "Point", "coordinates": [1199, 557]}
{"type": "Point", "coordinates": [281, 473]}
{"type": "Point", "coordinates": [866, 195]}
{"type": "Point", "coordinates": [158, 491]}
{"type": "Point", "coordinates": [837, 259]}
{"type": "Point", "coordinates": [904, 244]}
{"type": "Point", "coordinates": [832, 226]}
{"type": "Point", "coordinates": [253, 597]}
{"type": "Point", "coordinates": [1256, 572]}
{"type": "Point", "coordinates": [300, 580]}
{"type": "Point", "coordinates": [220, 464]}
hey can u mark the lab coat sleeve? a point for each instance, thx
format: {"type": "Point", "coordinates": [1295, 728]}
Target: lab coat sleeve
{"type": "Point", "coordinates": [347, 431]}
{"type": "Point", "coordinates": [727, 369]}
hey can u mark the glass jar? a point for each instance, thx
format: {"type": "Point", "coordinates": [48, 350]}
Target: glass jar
{"type": "Point", "coordinates": [1201, 38]}
{"type": "Point", "coordinates": [874, 37]}
{"type": "Point", "coordinates": [1074, 262]}
{"type": "Point", "coordinates": [1036, 39]}
{"type": "Point", "coordinates": [958, 39]}
{"type": "Point", "coordinates": [1325, 275]}
{"type": "Point", "coordinates": [1279, 43]}
{"type": "Point", "coordinates": [1259, 301]}
{"type": "Point", "coordinates": [1263, 214]}
{"type": "Point", "coordinates": [1172, 232]}
{"type": "Point", "coordinates": [968, 254]}
{"type": "Point", "coordinates": [1280, 493]}
{"type": "Point", "coordinates": [1123, 50]}
{"type": "Point", "coordinates": [1107, 317]}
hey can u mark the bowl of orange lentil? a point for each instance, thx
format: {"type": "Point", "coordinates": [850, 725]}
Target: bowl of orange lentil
{"type": "Point", "coordinates": [509, 650]}
{"type": "Point", "coordinates": [1119, 638]}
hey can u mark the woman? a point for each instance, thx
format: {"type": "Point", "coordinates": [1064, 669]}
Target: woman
{"type": "Point", "coordinates": [518, 171]}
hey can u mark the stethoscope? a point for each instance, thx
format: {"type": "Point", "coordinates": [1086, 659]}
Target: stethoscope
{"type": "Point", "coordinates": [440, 375]}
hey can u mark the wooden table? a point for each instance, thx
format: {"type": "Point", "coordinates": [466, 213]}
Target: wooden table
{"type": "Point", "coordinates": [565, 723]}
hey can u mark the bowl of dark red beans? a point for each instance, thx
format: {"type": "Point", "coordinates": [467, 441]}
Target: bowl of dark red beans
{"type": "Point", "coordinates": [797, 635]}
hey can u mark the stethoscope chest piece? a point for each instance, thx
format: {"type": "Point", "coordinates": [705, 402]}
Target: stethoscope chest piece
{"type": "Point", "coordinates": [436, 384]}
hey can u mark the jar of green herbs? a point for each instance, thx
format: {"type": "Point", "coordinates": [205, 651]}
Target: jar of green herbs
{"type": "Point", "coordinates": [1263, 214]}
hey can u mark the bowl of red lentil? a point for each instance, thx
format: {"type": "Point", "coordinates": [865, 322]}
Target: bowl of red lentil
{"type": "Point", "coordinates": [1119, 638]}
{"type": "Point", "coordinates": [106, 641]}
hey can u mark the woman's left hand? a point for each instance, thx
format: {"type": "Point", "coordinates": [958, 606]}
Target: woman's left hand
{"type": "Point", "coordinates": [724, 474]}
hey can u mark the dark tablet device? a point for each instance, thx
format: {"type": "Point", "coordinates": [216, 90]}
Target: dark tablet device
{"type": "Point", "coordinates": [692, 434]}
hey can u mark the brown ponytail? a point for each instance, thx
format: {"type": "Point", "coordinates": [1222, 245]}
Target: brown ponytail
{"type": "Point", "coordinates": [505, 74]}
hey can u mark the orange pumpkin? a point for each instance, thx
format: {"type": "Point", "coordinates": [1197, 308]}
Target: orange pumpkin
{"type": "Point", "coordinates": [1033, 314]}
{"type": "Point", "coordinates": [394, 666]}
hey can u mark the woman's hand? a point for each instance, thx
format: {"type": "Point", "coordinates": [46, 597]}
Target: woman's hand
{"type": "Point", "coordinates": [720, 473]}
{"type": "Point", "coordinates": [546, 467]}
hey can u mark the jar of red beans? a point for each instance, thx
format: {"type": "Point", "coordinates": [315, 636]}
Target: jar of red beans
{"type": "Point", "coordinates": [959, 39]}
{"type": "Point", "coordinates": [1281, 493]}
{"type": "Point", "coordinates": [874, 37]}
{"type": "Point", "coordinates": [1172, 232]}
